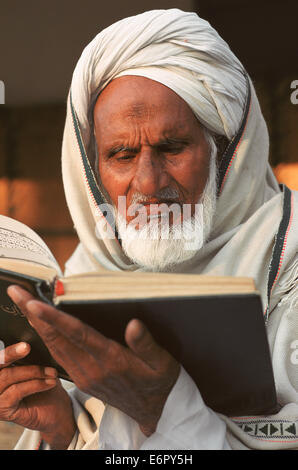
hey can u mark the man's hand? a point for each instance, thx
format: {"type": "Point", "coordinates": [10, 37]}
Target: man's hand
{"type": "Point", "coordinates": [32, 397]}
{"type": "Point", "coordinates": [137, 380]}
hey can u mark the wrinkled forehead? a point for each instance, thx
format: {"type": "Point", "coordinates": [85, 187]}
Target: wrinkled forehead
{"type": "Point", "coordinates": [137, 96]}
{"type": "Point", "coordinates": [139, 99]}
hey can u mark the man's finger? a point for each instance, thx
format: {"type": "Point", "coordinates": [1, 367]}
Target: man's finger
{"type": "Point", "coordinates": [81, 335]}
{"type": "Point", "coordinates": [17, 392]}
{"type": "Point", "coordinates": [66, 337]}
{"type": "Point", "coordinates": [19, 296]}
{"type": "Point", "coordinates": [13, 353]}
{"type": "Point", "coordinates": [12, 375]}
{"type": "Point", "coordinates": [62, 350]}
{"type": "Point", "coordinates": [141, 342]}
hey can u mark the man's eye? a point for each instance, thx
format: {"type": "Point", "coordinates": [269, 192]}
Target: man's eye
{"type": "Point", "coordinates": [125, 157]}
{"type": "Point", "coordinates": [173, 149]}
{"type": "Point", "coordinates": [177, 149]}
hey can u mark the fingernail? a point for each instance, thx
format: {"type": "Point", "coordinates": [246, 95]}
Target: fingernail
{"type": "Point", "coordinates": [50, 372]}
{"type": "Point", "coordinates": [50, 381]}
{"type": "Point", "coordinates": [34, 307]}
{"type": "Point", "coordinates": [14, 293]}
{"type": "Point", "coordinates": [21, 348]}
{"type": "Point", "coordinates": [138, 329]}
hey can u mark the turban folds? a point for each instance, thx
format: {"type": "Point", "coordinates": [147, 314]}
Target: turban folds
{"type": "Point", "coordinates": [174, 48]}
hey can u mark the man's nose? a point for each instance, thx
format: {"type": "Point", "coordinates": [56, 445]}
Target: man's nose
{"type": "Point", "coordinates": [150, 176]}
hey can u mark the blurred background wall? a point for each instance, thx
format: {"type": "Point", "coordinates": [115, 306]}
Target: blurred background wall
{"type": "Point", "coordinates": [40, 43]}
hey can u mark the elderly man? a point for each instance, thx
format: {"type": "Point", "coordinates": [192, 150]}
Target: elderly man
{"type": "Point", "coordinates": [160, 111]}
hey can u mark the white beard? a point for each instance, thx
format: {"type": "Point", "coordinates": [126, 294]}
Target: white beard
{"type": "Point", "coordinates": [158, 247]}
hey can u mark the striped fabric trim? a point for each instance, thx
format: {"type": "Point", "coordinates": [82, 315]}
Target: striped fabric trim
{"type": "Point", "coordinates": [94, 191]}
{"type": "Point", "coordinates": [270, 430]}
{"type": "Point", "coordinates": [39, 445]}
{"type": "Point", "coordinates": [280, 243]}
{"type": "Point", "coordinates": [89, 175]}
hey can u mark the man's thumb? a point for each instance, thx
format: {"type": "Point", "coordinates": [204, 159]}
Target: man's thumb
{"type": "Point", "coordinates": [141, 342]}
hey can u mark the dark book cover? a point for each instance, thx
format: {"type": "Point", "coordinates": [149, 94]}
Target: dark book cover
{"type": "Point", "coordinates": [220, 340]}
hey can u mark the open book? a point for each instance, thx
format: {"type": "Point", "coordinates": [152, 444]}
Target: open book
{"type": "Point", "coordinates": [213, 326]}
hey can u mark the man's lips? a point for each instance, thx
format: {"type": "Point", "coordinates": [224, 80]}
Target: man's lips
{"type": "Point", "coordinates": [157, 210]}
{"type": "Point", "coordinates": [154, 204]}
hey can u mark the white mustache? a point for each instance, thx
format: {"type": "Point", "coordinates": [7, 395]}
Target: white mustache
{"type": "Point", "coordinates": [164, 195]}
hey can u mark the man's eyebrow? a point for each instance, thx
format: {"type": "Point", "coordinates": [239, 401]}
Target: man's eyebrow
{"type": "Point", "coordinates": [172, 141]}
{"type": "Point", "coordinates": [162, 143]}
{"type": "Point", "coordinates": [121, 148]}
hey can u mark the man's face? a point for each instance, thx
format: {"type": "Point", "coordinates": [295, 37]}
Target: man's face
{"type": "Point", "coordinates": [150, 144]}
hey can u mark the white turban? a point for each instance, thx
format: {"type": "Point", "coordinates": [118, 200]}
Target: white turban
{"type": "Point", "coordinates": [175, 48]}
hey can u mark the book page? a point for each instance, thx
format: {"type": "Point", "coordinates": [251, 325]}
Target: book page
{"type": "Point", "coordinates": [93, 286]}
{"type": "Point", "coordinates": [19, 242]}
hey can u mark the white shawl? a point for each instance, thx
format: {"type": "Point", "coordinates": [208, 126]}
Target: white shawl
{"type": "Point", "coordinates": [255, 226]}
